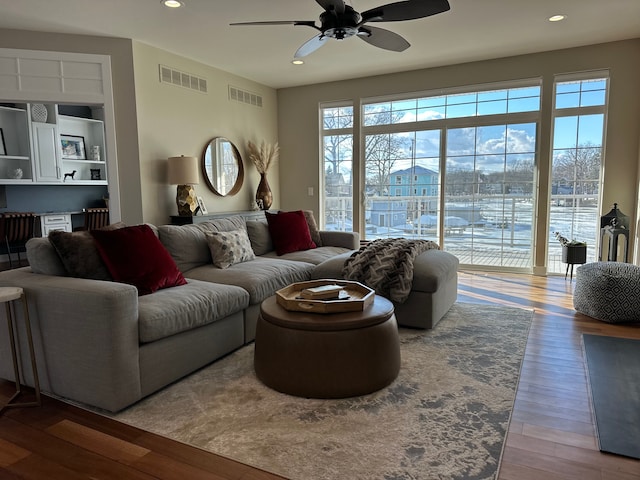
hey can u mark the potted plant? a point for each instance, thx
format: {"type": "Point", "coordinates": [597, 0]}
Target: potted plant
{"type": "Point", "coordinates": [262, 157]}
{"type": "Point", "coordinates": [573, 251]}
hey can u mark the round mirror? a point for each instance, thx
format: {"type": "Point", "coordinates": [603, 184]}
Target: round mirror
{"type": "Point", "coordinates": [222, 167]}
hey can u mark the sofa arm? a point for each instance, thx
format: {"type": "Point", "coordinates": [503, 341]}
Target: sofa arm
{"type": "Point", "coordinates": [333, 238]}
{"type": "Point", "coordinates": [85, 333]}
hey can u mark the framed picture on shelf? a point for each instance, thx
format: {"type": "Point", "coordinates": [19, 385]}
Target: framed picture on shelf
{"type": "Point", "coordinates": [3, 147]}
{"type": "Point", "coordinates": [73, 147]}
{"type": "Point", "coordinates": [203, 208]}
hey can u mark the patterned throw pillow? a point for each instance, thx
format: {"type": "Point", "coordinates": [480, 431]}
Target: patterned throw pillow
{"type": "Point", "coordinates": [229, 248]}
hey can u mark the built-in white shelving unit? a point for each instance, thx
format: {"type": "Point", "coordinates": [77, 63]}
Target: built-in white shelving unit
{"type": "Point", "coordinates": [60, 148]}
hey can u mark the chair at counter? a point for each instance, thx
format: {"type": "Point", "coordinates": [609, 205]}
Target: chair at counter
{"type": "Point", "coordinates": [15, 229]}
{"type": "Point", "coordinates": [95, 218]}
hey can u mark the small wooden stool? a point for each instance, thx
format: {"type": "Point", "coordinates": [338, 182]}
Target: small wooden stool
{"type": "Point", "coordinates": [8, 295]}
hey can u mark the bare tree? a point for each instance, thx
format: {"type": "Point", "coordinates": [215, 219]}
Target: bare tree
{"type": "Point", "coordinates": [382, 150]}
{"type": "Point", "coordinates": [337, 148]}
{"type": "Point", "coordinates": [381, 153]}
{"type": "Point", "coordinates": [579, 168]}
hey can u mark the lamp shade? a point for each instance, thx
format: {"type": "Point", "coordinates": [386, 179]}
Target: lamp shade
{"type": "Point", "coordinates": [183, 171]}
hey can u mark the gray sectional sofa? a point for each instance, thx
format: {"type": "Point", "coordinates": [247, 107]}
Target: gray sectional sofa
{"type": "Point", "coordinates": [99, 343]}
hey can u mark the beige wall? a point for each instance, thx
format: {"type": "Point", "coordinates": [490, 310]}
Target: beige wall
{"type": "Point", "coordinates": [298, 118]}
{"type": "Point", "coordinates": [175, 121]}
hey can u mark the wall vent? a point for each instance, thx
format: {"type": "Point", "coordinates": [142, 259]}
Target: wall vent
{"type": "Point", "coordinates": [182, 79]}
{"type": "Point", "coordinates": [238, 95]}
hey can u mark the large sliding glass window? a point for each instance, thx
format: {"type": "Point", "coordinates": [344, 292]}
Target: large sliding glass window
{"type": "Point", "coordinates": [457, 168]}
{"type": "Point", "coordinates": [488, 195]}
{"type": "Point", "coordinates": [578, 136]}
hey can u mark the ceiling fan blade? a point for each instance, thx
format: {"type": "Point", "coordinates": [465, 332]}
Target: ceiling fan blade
{"type": "Point", "coordinates": [308, 23]}
{"type": "Point", "coordinates": [311, 46]}
{"type": "Point", "coordinates": [332, 5]}
{"type": "Point", "coordinates": [407, 10]}
{"type": "Point", "coordinates": [381, 38]}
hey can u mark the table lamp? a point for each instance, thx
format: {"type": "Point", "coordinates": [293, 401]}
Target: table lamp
{"type": "Point", "coordinates": [183, 172]}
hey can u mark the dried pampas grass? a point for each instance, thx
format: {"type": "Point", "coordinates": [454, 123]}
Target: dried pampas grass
{"type": "Point", "coordinates": [264, 156]}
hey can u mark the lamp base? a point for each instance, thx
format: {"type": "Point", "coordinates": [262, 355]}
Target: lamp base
{"type": "Point", "coordinates": [186, 200]}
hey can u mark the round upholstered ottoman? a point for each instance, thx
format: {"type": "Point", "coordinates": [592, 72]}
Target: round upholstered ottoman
{"type": "Point", "coordinates": [608, 291]}
{"type": "Point", "coordinates": [333, 355]}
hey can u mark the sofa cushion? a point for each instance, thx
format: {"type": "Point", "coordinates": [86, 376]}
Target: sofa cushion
{"type": "Point", "coordinates": [188, 245]}
{"type": "Point", "coordinates": [229, 248]}
{"type": "Point", "coordinates": [331, 268]}
{"type": "Point", "coordinates": [43, 258]}
{"type": "Point", "coordinates": [289, 231]}
{"type": "Point", "coordinates": [315, 255]}
{"type": "Point", "coordinates": [134, 255]}
{"type": "Point", "coordinates": [431, 269]}
{"type": "Point", "coordinates": [260, 237]}
{"type": "Point", "coordinates": [260, 277]}
{"type": "Point", "coordinates": [174, 310]}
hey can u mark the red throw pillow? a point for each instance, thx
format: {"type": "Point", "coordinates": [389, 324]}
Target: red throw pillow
{"type": "Point", "coordinates": [289, 232]}
{"type": "Point", "coordinates": [134, 255]}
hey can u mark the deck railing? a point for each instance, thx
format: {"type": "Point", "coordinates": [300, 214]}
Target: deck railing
{"type": "Point", "coordinates": [481, 230]}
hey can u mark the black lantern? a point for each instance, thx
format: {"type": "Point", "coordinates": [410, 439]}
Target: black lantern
{"type": "Point", "coordinates": [615, 219]}
{"type": "Point", "coordinates": [612, 226]}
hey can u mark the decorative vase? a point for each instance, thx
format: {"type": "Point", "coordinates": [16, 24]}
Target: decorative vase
{"type": "Point", "coordinates": [264, 197]}
{"type": "Point", "coordinates": [39, 112]}
{"type": "Point", "coordinates": [15, 173]}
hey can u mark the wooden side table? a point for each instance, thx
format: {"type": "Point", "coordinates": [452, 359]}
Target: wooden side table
{"type": "Point", "coordinates": [8, 296]}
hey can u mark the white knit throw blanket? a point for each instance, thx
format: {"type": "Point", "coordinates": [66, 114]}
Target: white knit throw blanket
{"type": "Point", "coordinates": [386, 265]}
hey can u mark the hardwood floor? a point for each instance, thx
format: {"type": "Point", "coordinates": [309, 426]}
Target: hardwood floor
{"type": "Point", "coordinates": [551, 436]}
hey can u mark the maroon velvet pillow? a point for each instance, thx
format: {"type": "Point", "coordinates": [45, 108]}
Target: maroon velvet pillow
{"type": "Point", "coordinates": [289, 232]}
{"type": "Point", "coordinates": [134, 255]}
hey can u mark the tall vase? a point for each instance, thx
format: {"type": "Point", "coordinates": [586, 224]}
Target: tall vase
{"type": "Point", "coordinates": [264, 197]}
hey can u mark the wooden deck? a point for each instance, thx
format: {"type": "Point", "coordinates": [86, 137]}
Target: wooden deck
{"type": "Point", "coordinates": [521, 261]}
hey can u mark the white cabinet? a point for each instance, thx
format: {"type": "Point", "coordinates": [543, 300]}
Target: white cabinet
{"type": "Point", "coordinates": [15, 145]}
{"type": "Point", "coordinates": [54, 222]}
{"type": "Point", "coordinates": [45, 152]}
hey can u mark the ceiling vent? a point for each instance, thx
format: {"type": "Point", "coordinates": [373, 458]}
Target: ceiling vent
{"type": "Point", "coordinates": [243, 96]}
{"type": "Point", "coordinates": [182, 79]}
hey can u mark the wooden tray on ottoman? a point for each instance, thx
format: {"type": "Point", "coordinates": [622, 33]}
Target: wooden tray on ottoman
{"type": "Point", "coordinates": [359, 297]}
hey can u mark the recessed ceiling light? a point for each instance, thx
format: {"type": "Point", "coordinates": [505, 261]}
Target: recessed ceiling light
{"type": "Point", "coordinates": [298, 62]}
{"type": "Point", "coordinates": [557, 18]}
{"type": "Point", "coordinates": [172, 3]}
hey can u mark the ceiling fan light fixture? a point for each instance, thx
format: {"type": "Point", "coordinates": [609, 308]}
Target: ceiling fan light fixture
{"type": "Point", "coordinates": [297, 62]}
{"type": "Point", "coordinates": [557, 18]}
{"type": "Point", "coordinates": [172, 3]}
{"type": "Point", "coordinates": [340, 21]}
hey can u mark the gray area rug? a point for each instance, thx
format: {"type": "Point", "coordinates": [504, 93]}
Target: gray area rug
{"type": "Point", "coordinates": [444, 417]}
{"type": "Point", "coordinates": [614, 377]}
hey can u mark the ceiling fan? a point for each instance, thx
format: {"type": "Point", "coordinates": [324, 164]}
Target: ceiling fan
{"type": "Point", "coordinates": [341, 21]}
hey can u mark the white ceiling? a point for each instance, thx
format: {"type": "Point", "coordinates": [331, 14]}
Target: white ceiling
{"type": "Point", "coordinates": [471, 30]}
